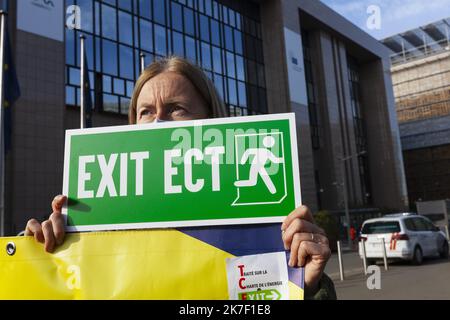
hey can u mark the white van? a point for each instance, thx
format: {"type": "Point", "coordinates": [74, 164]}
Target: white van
{"type": "Point", "coordinates": [407, 236]}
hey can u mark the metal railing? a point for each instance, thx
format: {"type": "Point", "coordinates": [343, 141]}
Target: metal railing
{"type": "Point", "coordinates": [420, 52]}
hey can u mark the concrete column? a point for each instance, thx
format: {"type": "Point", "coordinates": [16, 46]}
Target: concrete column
{"type": "Point", "coordinates": [276, 18]}
{"type": "Point", "coordinates": [349, 138]}
{"type": "Point", "coordinates": [329, 105]}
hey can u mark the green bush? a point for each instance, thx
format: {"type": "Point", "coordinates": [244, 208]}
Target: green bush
{"type": "Point", "coordinates": [328, 222]}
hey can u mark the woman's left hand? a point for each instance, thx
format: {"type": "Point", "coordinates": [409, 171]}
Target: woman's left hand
{"type": "Point", "coordinates": [308, 244]}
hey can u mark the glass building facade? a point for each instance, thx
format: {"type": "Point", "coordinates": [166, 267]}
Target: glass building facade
{"type": "Point", "coordinates": [313, 109]}
{"type": "Point", "coordinates": [223, 38]}
{"type": "Point", "coordinates": [311, 90]}
{"type": "Point", "coordinates": [360, 129]}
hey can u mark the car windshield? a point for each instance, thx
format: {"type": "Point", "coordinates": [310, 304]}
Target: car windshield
{"type": "Point", "coordinates": [381, 227]}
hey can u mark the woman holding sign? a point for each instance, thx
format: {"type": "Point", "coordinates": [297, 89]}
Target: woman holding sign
{"type": "Point", "coordinates": [173, 89]}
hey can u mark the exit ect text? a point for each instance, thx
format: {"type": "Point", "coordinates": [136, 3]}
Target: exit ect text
{"type": "Point", "coordinates": [107, 167]}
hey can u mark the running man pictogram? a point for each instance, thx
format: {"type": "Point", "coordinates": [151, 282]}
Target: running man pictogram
{"type": "Point", "coordinates": [261, 156]}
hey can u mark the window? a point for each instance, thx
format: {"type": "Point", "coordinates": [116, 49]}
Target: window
{"type": "Point", "coordinates": [145, 9]}
{"type": "Point", "coordinates": [189, 27]}
{"type": "Point", "coordinates": [229, 42]}
{"type": "Point", "coordinates": [261, 78]}
{"type": "Point", "coordinates": [215, 32]}
{"type": "Point", "coordinates": [109, 57]}
{"type": "Point", "coordinates": [232, 92]}
{"type": "Point", "coordinates": [119, 86]}
{"type": "Point", "coordinates": [110, 103]}
{"type": "Point", "coordinates": [160, 40]}
{"type": "Point", "coordinates": [124, 105]}
{"type": "Point", "coordinates": [254, 104]}
{"type": "Point", "coordinates": [190, 48]}
{"type": "Point", "coordinates": [177, 18]}
{"type": "Point", "coordinates": [107, 84]}
{"type": "Point", "coordinates": [238, 41]}
{"type": "Point", "coordinates": [409, 223]}
{"type": "Point", "coordinates": [420, 224]}
{"type": "Point", "coordinates": [223, 41]}
{"type": "Point", "coordinates": [252, 74]}
{"type": "Point", "coordinates": [242, 94]}
{"type": "Point", "coordinates": [125, 4]}
{"type": "Point", "coordinates": [126, 62]}
{"type": "Point", "coordinates": [359, 128]}
{"type": "Point", "coordinates": [217, 60]}
{"type": "Point", "coordinates": [208, 7]}
{"type": "Point", "coordinates": [215, 10]}
{"type": "Point", "coordinates": [109, 22]}
{"type": "Point", "coordinates": [206, 56]}
{"type": "Point", "coordinates": [146, 35]}
{"type": "Point", "coordinates": [125, 28]}
{"type": "Point", "coordinates": [178, 44]}
{"type": "Point", "coordinates": [218, 82]}
{"type": "Point", "coordinates": [381, 227]}
{"type": "Point", "coordinates": [240, 69]}
{"type": "Point", "coordinates": [70, 96]}
{"type": "Point", "coordinates": [231, 17]}
{"type": "Point", "coordinates": [159, 11]}
{"type": "Point", "coordinates": [70, 48]}
{"type": "Point", "coordinates": [87, 23]}
{"type": "Point", "coordinates": [429, 225]}
{"type": "Point", "coordinates": [204, 28]}
{"type": "Point", "coordinates": [130, 88]}
{"type": "Point", "coordinates": [231, 71]}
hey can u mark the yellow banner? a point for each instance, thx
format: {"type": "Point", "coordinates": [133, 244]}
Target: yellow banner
{"type": "Point", "coordinates": [148, 264]}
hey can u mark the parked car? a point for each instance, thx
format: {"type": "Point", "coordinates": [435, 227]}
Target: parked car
{"type": "Point", "coordinates": [407, 236]}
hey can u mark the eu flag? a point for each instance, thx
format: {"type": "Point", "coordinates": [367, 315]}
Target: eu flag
{"type": "Point", "coordinates": [11, 89]}
{"type": "Point", "coordinates": [87, 94]}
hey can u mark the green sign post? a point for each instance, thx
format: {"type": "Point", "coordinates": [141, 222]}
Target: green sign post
{"type": "Point", "coordinates": [192, 173]}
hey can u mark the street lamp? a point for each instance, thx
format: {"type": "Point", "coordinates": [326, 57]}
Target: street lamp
{"type": "Point", "coordinates": [344, 183]}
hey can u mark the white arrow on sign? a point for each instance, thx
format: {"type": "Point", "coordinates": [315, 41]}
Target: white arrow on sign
{"type": "Point", "coordinates": [274, 296]}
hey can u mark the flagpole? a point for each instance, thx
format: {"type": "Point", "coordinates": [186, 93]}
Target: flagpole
{"type": "Point", "coordinates": [2, 136]}
{"type": "Point", "coordinates": [82, 84]}
{"type": "Point", "coordinates": [142, 56]}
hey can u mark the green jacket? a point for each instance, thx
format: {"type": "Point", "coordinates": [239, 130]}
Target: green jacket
{"type": "Point", "coordinates": [326, 290]}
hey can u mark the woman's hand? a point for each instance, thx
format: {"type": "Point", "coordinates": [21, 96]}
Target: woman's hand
{"type": "Point", "coordinates": [50, 232]}
{"type": "Point", "coordinates": [308, 244]}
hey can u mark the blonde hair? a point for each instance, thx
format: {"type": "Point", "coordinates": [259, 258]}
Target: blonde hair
{"type": "Point", "coordinates": [194, 74]}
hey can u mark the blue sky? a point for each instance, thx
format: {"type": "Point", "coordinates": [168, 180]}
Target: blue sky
{"type": "Point", "coordinates": [396, 15]}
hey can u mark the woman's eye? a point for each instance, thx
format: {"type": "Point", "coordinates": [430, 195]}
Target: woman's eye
{"type": "Point", "coordinates": [145, 112]}
{"type": "Point", "coordinates": [178, 110]}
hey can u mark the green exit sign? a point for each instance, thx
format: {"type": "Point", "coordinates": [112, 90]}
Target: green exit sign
{"type": "Point", "coordinates": [192, 173]}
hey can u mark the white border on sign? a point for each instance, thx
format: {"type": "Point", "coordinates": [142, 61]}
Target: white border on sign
{"type": "Point", "coordinates": [174, 224]}
{"type": "Point", "coordinates": [181, 124]}
{"type": "Point", "coordinates": [237, 170]}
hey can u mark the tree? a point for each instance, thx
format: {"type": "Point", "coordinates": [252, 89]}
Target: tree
{"type": "Point", "coordinates": [329, 223]}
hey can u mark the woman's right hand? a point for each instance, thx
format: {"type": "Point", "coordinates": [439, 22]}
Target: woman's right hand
{"type": "Point", "coordinates": [51, 232]}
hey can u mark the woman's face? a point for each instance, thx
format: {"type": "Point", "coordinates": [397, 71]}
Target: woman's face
{"type": "Point", "coordinates": [169, 97]}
